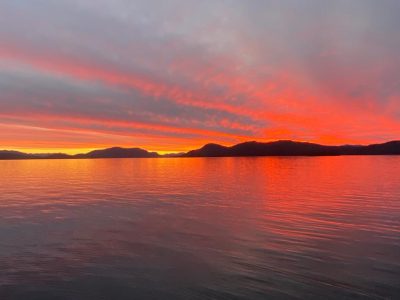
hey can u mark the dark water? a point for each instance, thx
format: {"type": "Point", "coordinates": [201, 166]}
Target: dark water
{"type": "Point", "coordinates": [216, 228]}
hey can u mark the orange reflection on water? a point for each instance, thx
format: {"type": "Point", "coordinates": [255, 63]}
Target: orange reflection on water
{"type": "Point", "coordinates": [193, 222]}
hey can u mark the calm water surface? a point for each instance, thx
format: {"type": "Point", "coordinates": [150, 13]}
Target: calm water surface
{"type": "Point", "coordinates": [213, 228]}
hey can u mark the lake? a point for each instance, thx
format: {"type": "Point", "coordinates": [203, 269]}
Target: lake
{"type": "Point", "coordinates": [200, 228]}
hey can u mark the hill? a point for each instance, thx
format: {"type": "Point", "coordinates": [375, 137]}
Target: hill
{"type": "Point", "coordinates": [118, 152]}
{"type": "Point", "coordinates": [291, 148]}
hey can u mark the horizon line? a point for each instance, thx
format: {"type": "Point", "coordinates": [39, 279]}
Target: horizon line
{"type": "Point", "coordinates": [67, 151]}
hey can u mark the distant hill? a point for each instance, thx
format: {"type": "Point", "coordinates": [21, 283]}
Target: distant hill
{"type": "Point", "coordinates": [379, 149]}
{"type": "Point", "coordinates": [291, 148]}
{"type": "Point", "coordinates": [118, 152]}
{"type": "Point", "coordinates": [212, 150]}
{"type": "Point", "coordinates": [5, 154]}
{"type": "Point", "coordinates": [278, 148]}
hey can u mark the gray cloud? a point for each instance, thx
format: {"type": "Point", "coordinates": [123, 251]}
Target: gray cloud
{"type": "Point", "coordinates": [227, 66]}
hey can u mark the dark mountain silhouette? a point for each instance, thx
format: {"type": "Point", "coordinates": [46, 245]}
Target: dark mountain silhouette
{"type": "Point", "coordinates": [5, 154]}
{"type": "Point", "coordinates": [118, 152]}
{"type": "Point", "coordinates": [278, 148]}
{"type": "Point", "coordinates": [291, 148]}
{"type": "Point", "coordinates": [392, 148]}
{"type": "Point", "coordinates": [213, 150]}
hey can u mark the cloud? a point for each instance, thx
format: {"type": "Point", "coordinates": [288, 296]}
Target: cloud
{"type": "Point", "coordinates": [188, 71]}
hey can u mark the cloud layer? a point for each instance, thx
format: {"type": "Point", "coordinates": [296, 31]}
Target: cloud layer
{"type": "Point", "coordinates": [171, 75]}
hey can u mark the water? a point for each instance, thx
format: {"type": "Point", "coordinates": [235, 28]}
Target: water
{"type": "Point", "coordinates": [201, 228]}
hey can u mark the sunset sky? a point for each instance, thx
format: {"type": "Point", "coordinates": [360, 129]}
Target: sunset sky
{"type": "Point", "coordinates": [173, 75]}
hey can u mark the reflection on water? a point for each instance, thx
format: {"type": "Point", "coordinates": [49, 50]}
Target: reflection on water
{"type": "Point", "coordinates": [213, 228]}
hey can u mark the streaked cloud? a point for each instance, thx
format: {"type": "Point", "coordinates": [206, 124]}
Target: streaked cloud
{"type": "Point", "coordinates": [172, 75]}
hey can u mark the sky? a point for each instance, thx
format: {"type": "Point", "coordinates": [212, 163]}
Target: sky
{"type": "Point", "coordinates": [170, 76]}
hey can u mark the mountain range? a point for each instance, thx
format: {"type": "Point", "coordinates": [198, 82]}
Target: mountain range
{"type": "Point", "coordinates": [277, 148]}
